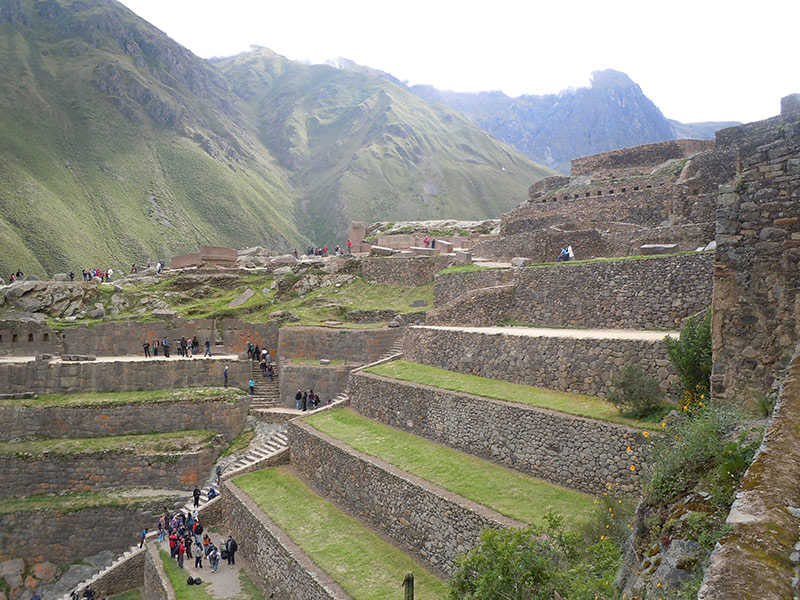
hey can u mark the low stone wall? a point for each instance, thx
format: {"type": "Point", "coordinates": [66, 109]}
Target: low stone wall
{"type": "Point", "coordinates": [638, 160]}
{"type": "Point", "coordinates": [476, 308]}
{"type": "Point", "coordinates": [226, 417]}
{"type": "Point", "coordinates": [645, 293]}
{"type": "Point", "coordinates": [279, 567]}
{"type": "Point", "coordinates": [326, 381]}
{"type": "Point", "coordinates": [575, 452]}
{"type": "Point", "coordinates": [450, 286]}
{"type": "Point", "coordinates": [25, 474]}
{"type": "Point", "coordinates": [127, 575]}
{"type": "Point", "coordinates": [405, 270]}
{"type": "Point", "coordinates": [356, 346]}
{"type": "Point", "coordinates": [425, 519]}
{"type": "Point", "coordinates": [154, 583]}
{"type": "Point", "coordinates": [44, 377]}
{"type": "Point", "coordinates": [67, 536]}
{"type": "Point", "coordinates": [582, 366]}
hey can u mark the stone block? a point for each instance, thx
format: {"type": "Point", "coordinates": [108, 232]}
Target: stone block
{"type": "Point", "coordinates": [381, 251]}
{"type": "Point", "coordinates": [520, 261]}
{"type": "Point", "coordinates": [242, 298]}
{"type": "Point", "coordinates": [283, 259]}
{"type": "Point", "coordinates": [422, 251]}
{"type": "Point", "coordinates": [444, 247]}
{"type": "Point", "coordinates": [649, 249]}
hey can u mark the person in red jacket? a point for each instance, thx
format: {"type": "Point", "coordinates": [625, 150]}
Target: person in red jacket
{"type": "Point", "coordinates": [173, 543]}
{"type": "Point", "coordinates": [181, 552]}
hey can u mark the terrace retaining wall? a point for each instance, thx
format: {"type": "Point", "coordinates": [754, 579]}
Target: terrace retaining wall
{"type": "Point", "coordinates": [46, 377]}
{"type": "Point", "coordinates": [576, 452]}
{"type": "Point", "coordinates": [21, 420]}
{"type": "Point", "coordinates": [405, 270]}
{"type": "Point", "coordinates": [424, 518]}
{"type": "Point", "coordinates": [279, 567]}
{"type": "Point", "coordinates": [326, 381]}
{"type": "Point", "coordinates": [581, 366]}
{"type": "Point", "coordinates": [356, 346]}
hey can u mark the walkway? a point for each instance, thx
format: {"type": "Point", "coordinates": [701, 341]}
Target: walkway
{"type": "Point", "coordinates": [125, 358]}
{"type": "Point", "coordinates": [582, 334]}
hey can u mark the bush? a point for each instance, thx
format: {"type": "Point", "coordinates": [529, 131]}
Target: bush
{"type": "Point", "coordinates": [636, 394]}
{"type": "Point", "coordinates": [691, 357]}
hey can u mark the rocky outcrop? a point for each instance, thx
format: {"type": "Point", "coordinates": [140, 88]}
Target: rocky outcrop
{"type": "Point", "coordinates": [53, 298]}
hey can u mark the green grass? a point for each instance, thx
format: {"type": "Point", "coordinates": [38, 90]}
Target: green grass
{"type": "Point", "coordinates": [73, 501]}
{"type": "Point", "coordinates": [466, 269]}
{"type": "Point", "coordinates": [315, 363]}
{"type": "Point", "coordinates": [367, 567]}
{"type": "Point", "coordinates": [573, 404]}
{"type": "Point", "coordinates": [137, 397]}
{"type": "Point", "coordinates": [502, 489]}
{"type": "Point", "coordinates": [142, 443]}
{"type": "Point", "coordinates": [240, 442]}
{"type": "Point", "coordinates": [134, 594]}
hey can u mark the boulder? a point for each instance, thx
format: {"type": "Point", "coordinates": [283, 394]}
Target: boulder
{"type": "Point", "coordinates": [381, 251]}
{"type": "Point", "coordinates": [60, 277]}
{"type": "Point", "coordinates": [99, 311]}
{"type": "Point", "coordinates": [283, 259]}
{"type": "Point", "coordinates": [520, 261]}
{"type": "Point", "coordinates": [241, 298]}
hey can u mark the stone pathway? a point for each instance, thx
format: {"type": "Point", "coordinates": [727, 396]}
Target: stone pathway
{"type": "Point", "coordinates": [584, 334]}
{"type": "Point", "coordinates": [126, 358]}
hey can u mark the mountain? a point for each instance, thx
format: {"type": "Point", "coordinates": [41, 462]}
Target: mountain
{"type": "Point", "coordinates": [611, 113]}
{"type": "Point", "coordinates": [118, 144]}
{"type": "Point", "coordinates": [700, 131]}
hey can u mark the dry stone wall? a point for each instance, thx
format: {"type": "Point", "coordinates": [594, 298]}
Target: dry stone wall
{"type": "Point", "coordinates": [639, 160]}
{"type": "Point", "coordinates": [405, 270]}
{"type": "Point", "coordinates": [326, 381]}
{"type": "Point", "coordinates": [68, 535]}
{"type": "Point", "coordinates": [278, 567]}
{"type": "Point", "coordinates": [450, 286]}
{"type": "Point", "coordinates": [356, 346]}
{"type": "Point", "coordinates": [21, 338]}
{"type": "Point", "coordinates": [581, 366]}
{"type": "Point", "coordinates": [45, 377]}
{"type": "Point", "coordinates": [423, 518]}
{"type": "Point", "coordinates": [154, 583]}
{"type": "Point", "coordinates": [226, 417]}
{"type": "Point", "coordinates": [757, 271]}
{"type": "Point", "coordinates": [646, 293]}
{"type": "Point", "coordinates": [26, 474]}
{"type": "Point", "coordinates": [575, 452]}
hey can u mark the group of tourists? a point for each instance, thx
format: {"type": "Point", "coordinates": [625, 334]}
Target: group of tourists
{"type": "Point", "coordinates": [307, 400]}
{"type": "Point", "coordinates": [159, 266]}
{"type": "Point", "coordinates": [315, 251]}
{"type": "Point", "coordinates": [264, 359]}
{"type": "Point", "coordinates": [185, 347]}
{"type": "Point", "coordinates": [187, 538]}
{"type": "Point", "coordinates": [15, 276]}
{"type": "Point", "coordinates": [105, 275]}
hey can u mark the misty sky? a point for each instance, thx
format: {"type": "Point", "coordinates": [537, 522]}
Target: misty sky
{"type": "Point", "coordinates": [700, 60]}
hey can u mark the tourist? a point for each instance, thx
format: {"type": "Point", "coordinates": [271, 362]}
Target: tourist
{"type": "Point", "coordinates": [161, 530]}
{"type": "Point", "coordinates": [256, 352]}
{"type": "Point", "coordinates": [263, 365]}
{"type": "Point", "coordinates": [142, 537]}
{"type": "Point", "coordinates": [184, 346]}
{"type": "Point", "coordinates": [165, 345]}
{"type": "Point", "coordinates": [133, 268]}
{"type": "Point", "coordinates": [181, 552]}
{"type": "Point", "coordinates": [231, 547]}
{"type": "Point", "coordinates": [198, 554]}
{"type": "Point", "coordinates": [310, 399]}
{"type": "Point", "coordinates": [218, 472]}
{"type": "Point", "coordinates": [250, 348]}
{"type": "Point", "coordinates": [155, 347]}
{"type": "Point", "coordinates": [197, 530]}
{"type": "Point", "coordinates": [83, 272]}
{"type": "Point", "coordinates": [298, 398]}
{"type": "Point", "coordinates": [270, 371]}
{"type": "Point", "coordinates": [111, 275]}
{"type": "Point", "coordinates": [208, 348]}
{"type": "Point", "coordinates": [206, 543]}
{"type": "Point", "coordinates": [264, 354]}
{"type": "Point", "coordinates": [295, 253]}
{"type": "Point", "coordinates": [305, 401]}
{"type": "Point", "coordinates": [196, 496]}
{"type": "Point", "coordinates": [433, 243]}
{"type": "Point", "coordinates": [562, 256]}
{"type": "Point", "coordinates": [71, 276]}
{"type": "Point", "coordinates": [225, 378]}
{"type": "Point", "coordinates": [427, 241]}
{"type": "Point", "coordinates": [213, 558]}
{"type": "Point", "coordinates": [173, 542]}
{"type": "Point", "coordinates": [570, 253]}
{"type": "Point", "coordinates": [212, 492]}
{"type": "Point", "coordinates": [349, 246]}
{"type": "Point", "coordinates": [146, 346]}
{"type": "Point", "coordinates": [252, 385]}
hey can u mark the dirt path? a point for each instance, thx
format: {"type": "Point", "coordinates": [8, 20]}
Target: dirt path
{"type": "Point", "coordinates": [584, 334]}
{"type": "Point", "coordinates": [126, 358]}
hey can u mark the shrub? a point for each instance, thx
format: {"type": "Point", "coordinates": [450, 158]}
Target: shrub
{"type": "Point", "coordinates": [636, 394]}
{"type": "Point", "coordinates": [691, 357]}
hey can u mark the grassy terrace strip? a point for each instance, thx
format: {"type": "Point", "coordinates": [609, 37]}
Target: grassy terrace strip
{"type": "Point", "coordinates": [108, 398]}
{"type": "Point", "coordinates": [76, 501]}
{"type": "Point", "coordinates": [573, 404]}
{"type": "Point", "coordinates": [141, 443]}
{"type": "Point", "coordinates": [366, 566]}
{"type": "Point", "coordinates": [502, 489]}
{"type": "Point", "coordinates": [177, 578]}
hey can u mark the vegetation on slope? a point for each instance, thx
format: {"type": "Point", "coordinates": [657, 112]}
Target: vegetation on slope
{"type": "Point", "coordinates": [139, 443]}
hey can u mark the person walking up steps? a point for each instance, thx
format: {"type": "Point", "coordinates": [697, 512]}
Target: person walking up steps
{"type": "Point", "coordinates": [252, 385]}
{"type": "Point", "coordinates": [196, 496]}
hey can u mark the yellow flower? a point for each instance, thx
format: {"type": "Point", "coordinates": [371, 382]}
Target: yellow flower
{"type": "Point", "coordinates": [658, 584]}
{"type": "Point", "coordinates": [663, 424]}
{"type": "Point", "coordinates": [608, 526]}
{"type": "Point", "coordinates": [646, 434]}
{"type": "Point", "coordinates": [619, 501]}
{"type": "Point", "coordinates": [597, 501]}
{"type": "Point", "coordinates": [628, 449]}
{"type": "Point", "coordinates": [602, 537]}
{"type": "Point", "coordinates": [633, 467]}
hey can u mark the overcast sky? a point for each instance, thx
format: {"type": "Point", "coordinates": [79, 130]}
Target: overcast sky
{"type": "Point", "coordinates": [698, 60]}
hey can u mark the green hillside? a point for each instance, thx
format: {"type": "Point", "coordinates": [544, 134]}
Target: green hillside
{"type": "Point", "coordinates": [118, 144]}
{"type": "Point", "coordinates": [361, 147]}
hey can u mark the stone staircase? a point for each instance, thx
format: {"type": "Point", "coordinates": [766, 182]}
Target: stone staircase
{"type": "Point", "coordinates": [267, 393]}
{"type": "Point", "coordinates": [273, 445]}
